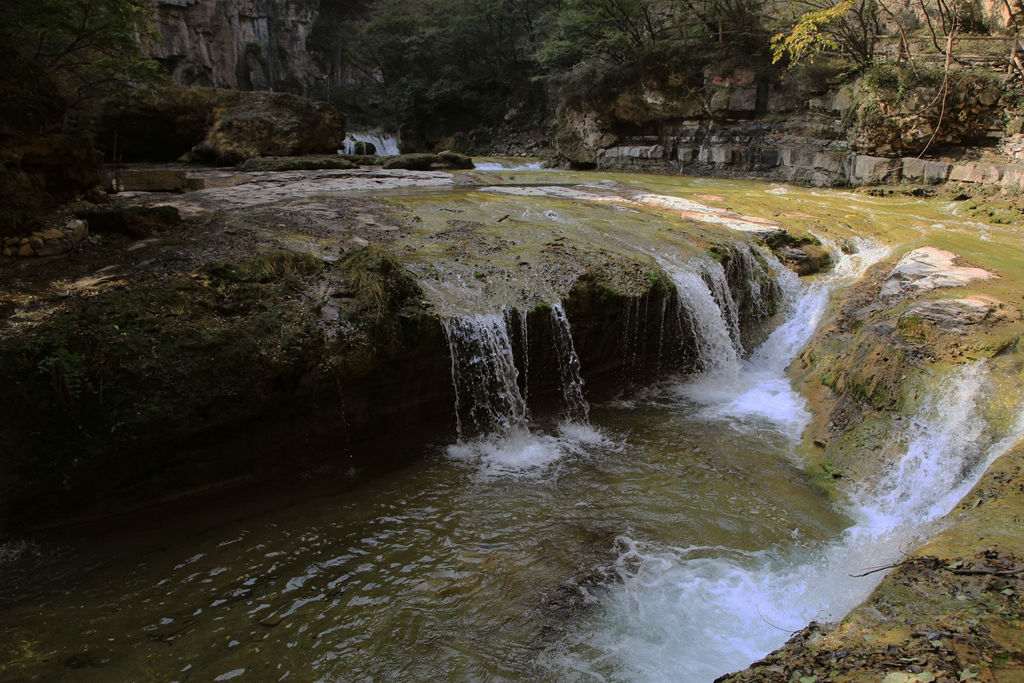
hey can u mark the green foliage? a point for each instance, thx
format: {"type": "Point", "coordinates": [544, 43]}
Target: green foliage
{"type": "Point", "coordinates": [265, 268]}
{"type": "Point", "coordinates": [67, 373]}
{"type": "Point", "coordinates": [89, 46]}
{"type": "Point", "coordinates": [426, 64]}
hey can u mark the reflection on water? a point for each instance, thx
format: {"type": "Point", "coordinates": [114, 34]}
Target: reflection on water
{"type": "Point", "coordinates": [433, 569]}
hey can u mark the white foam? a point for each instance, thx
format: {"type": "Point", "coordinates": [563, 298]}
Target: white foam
{"type": "Point", "coordinates": [757, 388]}
{"type": "Point", "coordinates": [717, 351]}
{"type": "Point", "coordinates": [680, 615]}
{"type": "Point", "coordinates": [522, 454]}
{"type": "Point", "coordinates": [500, 166]}
{"type": "Point", "coordinates": [385, 144]}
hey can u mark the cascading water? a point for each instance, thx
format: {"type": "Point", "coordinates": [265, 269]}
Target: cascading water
{"type": "Point", "coordinates": [577, 409]}
{"type": "Point", "coordinates": [384, 144]}
{"type": "Point", "coordinates": [717, 351]}
{"type": "Point", "coordinates": [508, 166]}
{"type": "Point", "coordinates": [484, 374]}
{"type": "Point", "coordinates": [694, 613]}
{"type": "Point", "coordinates": [487, 393]}
{"type": "Point", "coordinates": [757, 388]}
{"type": "Point", "coordinates": [719, 286]}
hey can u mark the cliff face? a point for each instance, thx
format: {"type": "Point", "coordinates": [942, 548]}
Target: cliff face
{"type": "Point", "coordinates": [239, 44]}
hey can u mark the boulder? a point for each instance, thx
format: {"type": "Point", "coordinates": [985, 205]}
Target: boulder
{"type": "Point", "coordinates": [803, 254]}
{"type": "Point", "coordinates": [412, 162]}
{"type": "Point", "coordinates": [976, 173]}
{"type": "Point", "coordinates": [456, 160]}
{"type": "Point", "coordinates": [303, 163]}
{"type": "Point", "coordinates": [955, 315]}
{"type": "Point", "coordinates": [581, 132]}
{"type": "Point", "coordinates": [363, 159]}
{"type": "Point", "coordinates": [925, 269]}
{"type": "Point", "coordinates": [254, 124]}
{"type": "Point", "coordinates": [925, 171]}
{"type": "Point", "coordinates": [145, 180]}
{"type": "Point", "coordinates": [156, 125]}
{"type": "Point", "coordinates": [872, 170]}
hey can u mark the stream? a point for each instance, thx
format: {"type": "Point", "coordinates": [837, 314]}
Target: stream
{"type": "Point", "coordinates": [668, 535]}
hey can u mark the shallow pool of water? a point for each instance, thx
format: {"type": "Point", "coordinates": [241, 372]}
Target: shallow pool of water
{"type": "Point", "coordinates": [454, 567]}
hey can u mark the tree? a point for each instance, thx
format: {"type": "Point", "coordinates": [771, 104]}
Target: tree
{"type": "Point", "coordinates": [438, 64]}
{"type": "Point", "coordinates": [848, 26]}
{"type": "Point", "coordinates": [87, 45]}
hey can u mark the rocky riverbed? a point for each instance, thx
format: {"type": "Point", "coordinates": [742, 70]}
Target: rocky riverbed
{"type": "Point", "coordinates": [295, 313]}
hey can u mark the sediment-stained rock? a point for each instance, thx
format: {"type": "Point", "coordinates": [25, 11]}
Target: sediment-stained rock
{"type": "Point", "coordinates": [927, 268]}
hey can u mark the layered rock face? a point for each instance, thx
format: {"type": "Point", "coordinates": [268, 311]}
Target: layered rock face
{"type": "Point", "coordinates": [868, 132]}
{"type": "Point", "coordinates": [238, 44]}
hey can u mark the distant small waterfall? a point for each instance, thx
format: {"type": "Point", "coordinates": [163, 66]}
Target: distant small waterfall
{"type": "Point", "coordinates": [384, 144]}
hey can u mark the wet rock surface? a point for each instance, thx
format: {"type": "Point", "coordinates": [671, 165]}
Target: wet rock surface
{"type": "Point", "coordinates": [951, 610]}
{"type": "Point", "coordinates": [237, 328]}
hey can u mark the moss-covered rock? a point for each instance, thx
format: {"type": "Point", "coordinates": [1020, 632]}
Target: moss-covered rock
{"type": "Point", "coordinates": [897, 110]}
{"type": "Point", "coordinates": [412, 162]}
{"type": "Point", "coordinates": [803, 254]}
{"type": "Point", "coordinates": [159, 124]}
{"type": "Point", "coordinates": [199, 377]}
{"type": "Point", "coordinates": [455, 160]}
{"type": "Point", "coordinates": [254, 124]}
{"type": "Point", "coordinates": [300, 163]}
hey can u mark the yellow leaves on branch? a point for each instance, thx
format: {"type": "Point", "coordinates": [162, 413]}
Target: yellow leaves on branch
{"type": "Point", "coordinates": [807, 36]}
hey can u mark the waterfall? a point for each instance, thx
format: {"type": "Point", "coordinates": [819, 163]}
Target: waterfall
{"type": "Point", "coordinates": [510, 166]}
{"type": "Point", "coordinates": [942, 461]}
{"type": "Point", "coordinates": [699, 311]}
{"type": "Point", "coordinates": [695, 613]}
{"type": "Point", "coordinates": [489, 402]}
{"type": "Point", "coordinates": [714, 273]}
{"type": "Point", "coordinates": [699, 612]}
{"type": "Point", "coordinates": [577, 409]}
{"type": "Point", "coordinates": [756, 390]}
{"type": "Point", "coordinates": [484, 374]}
{"type": "Point", "coordinates": [384, 144]}
{"type": "Point", "coordinates": [754, 269]}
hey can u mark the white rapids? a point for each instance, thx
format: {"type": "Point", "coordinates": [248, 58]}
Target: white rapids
{"type": "Point", "coordinates": [695, 613]}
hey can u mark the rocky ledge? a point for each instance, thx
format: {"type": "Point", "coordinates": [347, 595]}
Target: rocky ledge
{"type": "Point", "coordinates": [289, 322]}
